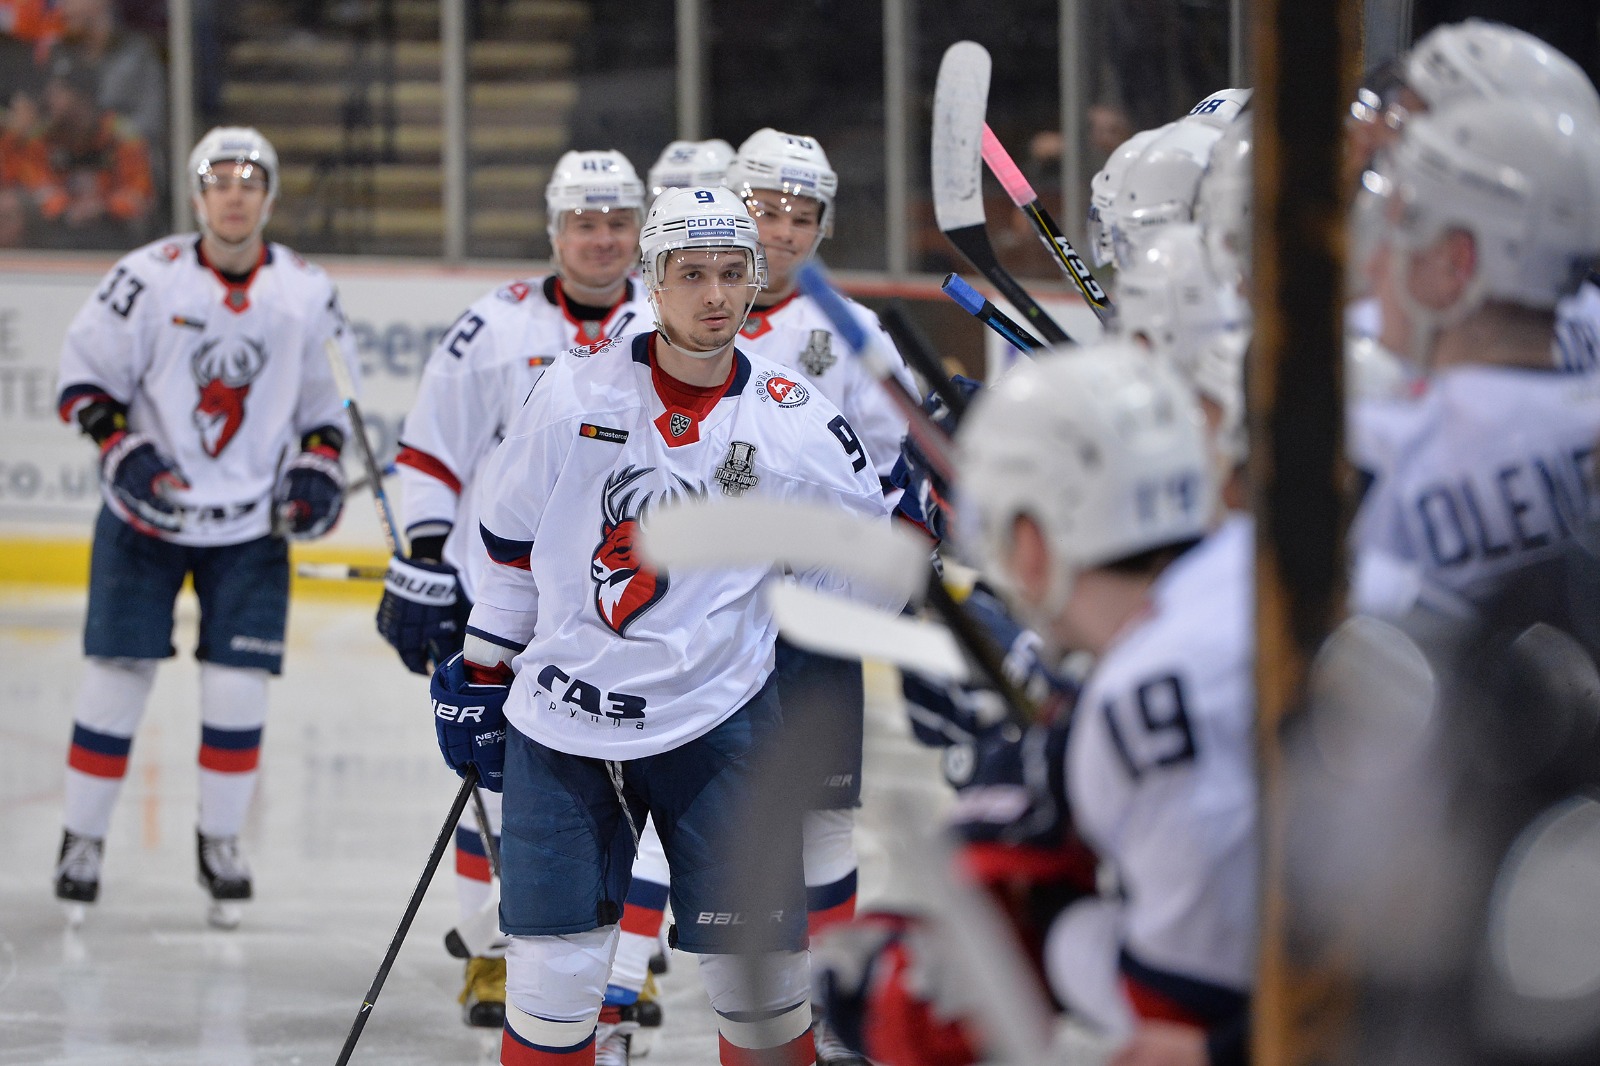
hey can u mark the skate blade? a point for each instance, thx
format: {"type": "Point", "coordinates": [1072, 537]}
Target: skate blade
{"type": "Point", "coordinates": [76, 913]}
{"type": "Point", "coordinates": [224, 915]}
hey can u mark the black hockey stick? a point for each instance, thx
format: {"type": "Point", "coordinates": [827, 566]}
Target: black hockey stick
{"type": "Point", "coordinates": [1067, 258]}
{"type": "Point", "coordinates": [959, 100]}
{"type": "Point", "coordinates": [920, 354]}
{"type": "Point", "coordinates": [973, 303]}
{"type": "Point", "coordinates": [468, 782]}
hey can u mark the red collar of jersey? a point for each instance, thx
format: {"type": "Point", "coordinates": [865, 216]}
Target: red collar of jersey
{"type": "Point", "coordinates": [589, 329]}
{"type": "Point", "coordinates": [236, 293]}
{"type": "Point", "coordinates": [686, 405]}
{"type": "Point", "coordinates": [756, 324]}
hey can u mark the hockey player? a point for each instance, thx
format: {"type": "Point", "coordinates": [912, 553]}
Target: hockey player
{"type": "Point", "coordinates": [1491, 213]}
{"type": "Point", "coordinates": [1086, 493]}
{"type": "Point", "coordinates": [474, 382]}
{"type": "Point", "coordinates": [685, 164]}
{"type": "Point", "coordinates": [199, 368]}
{"type": "Point", "coordinates": [789, 186]}
{"type": "Point", "coordinates": [626, 690]}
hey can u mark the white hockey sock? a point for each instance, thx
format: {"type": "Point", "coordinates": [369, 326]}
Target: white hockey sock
{"type": "Point", "coordinates": [233, 707]}
{"type": "Point", "coordinates": [642, 915]}
{"type": "Point", "coordinates": [474, 880]}
{"type": "Point", "coordinates": [763, 1010]}
{"type": "Point", "coordinates": [829, 854]}
{"type": "Point", "coordinates": [111, 701]}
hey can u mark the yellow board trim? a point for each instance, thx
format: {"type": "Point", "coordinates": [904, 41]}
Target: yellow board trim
{"type": "Point", "coordinates": [38, 561]}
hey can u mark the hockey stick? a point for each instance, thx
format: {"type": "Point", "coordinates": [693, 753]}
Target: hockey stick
{"type": "Point", "coordinates": [1071, 263]}
{"type": "Point", "coordinates": [919, 353]}
{"type": "Point", "coordinates": [935, 443]}
{"type": "Point", "coordinates": [973, 303]}
{"type": "Point", "coordinates": [959, 99]}
{"type": "Point", "coordinates": [386, 522]}
{"type": "Point", "coordinates": [380, 499]}
{"type": "Point", "coordinates": [340, 572]}
{"type": "Point", "coordinates": [469, 782]}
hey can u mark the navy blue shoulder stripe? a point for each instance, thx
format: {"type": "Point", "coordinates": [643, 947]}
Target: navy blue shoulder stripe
{"type": "Point", "coordinates": [506, 552]}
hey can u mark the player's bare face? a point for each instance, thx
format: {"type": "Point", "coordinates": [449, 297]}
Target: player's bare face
{"type": "Point", "coordinates": [598, 248]}
{"type": "Point", "coordinates": [703, 295]}
{"type": "Point", "coordinates": [234, 194]}
{"type": "Point", "coordinates": [789, 226]}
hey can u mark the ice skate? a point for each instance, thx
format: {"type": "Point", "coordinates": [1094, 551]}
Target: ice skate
{"type": "Point", "coordinates": [225, 874]}
{"type": "Point", "coordinates": [613, 1037]}
{"type": "Point", "coordinates": [483, 999]}
{"type": "Point", "coordinates": [831, 1051]}
{"type": "Point", "coordinates": [78, 875]}
{"type": "Point", "coordinates": [646, 1011]}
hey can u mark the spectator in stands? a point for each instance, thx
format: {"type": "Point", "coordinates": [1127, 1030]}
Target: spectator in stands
{"type": "Point", "coordinates": [87, 171]}
{"type": "Point", "coordinates": [133, 82]}
{"type": "Point", "coordinates": [18, 133]}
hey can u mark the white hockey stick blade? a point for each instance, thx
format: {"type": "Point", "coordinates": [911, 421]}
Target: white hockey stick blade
{"type": "Point", "coordinates": [960, 98]}
{"type": "Point", "coordinates": [757, 532]}
{"type": "Point", "coordinates": [834, 625]}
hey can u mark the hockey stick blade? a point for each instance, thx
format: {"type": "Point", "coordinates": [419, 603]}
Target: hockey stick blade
{"type": "Point", "coordinates": [340, 572]}
{"type": "Point", "coordinates": [1006, 171]}
{"type": "Point", "coordinates": [836, 626]}
{"type": "Point", "coordinates": [960, 97]}
{"type": "Point", "coordinates": [973, 303]}
{"type": "Point", "coordinates": [758, 532]}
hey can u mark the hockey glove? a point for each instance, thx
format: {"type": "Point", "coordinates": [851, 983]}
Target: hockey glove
{"type": "Point", "coordinates": [138, 478]}
{"type": "Point", "coordinates": [418, 614]}
{"type": "Point", "coordinates": [925, 491]}
{"type": "Point", "coordinates": [310, 494]}
{"type": "Point", "coordinates": [470, 721]}
{"type": "Point", "coordinates": [878, 984]}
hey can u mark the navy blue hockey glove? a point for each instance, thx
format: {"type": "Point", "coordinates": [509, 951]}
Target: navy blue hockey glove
{"type": "Point", "coordinates": [419, 614]}
{"type": "Point", "coordinates": [925, 491]}
{"type": "Point", "coordinates": [470, 721]}
{"type": "Point", "coordinates": [138, 477]}
{"type": "Point", "coordinates": [310, 494]}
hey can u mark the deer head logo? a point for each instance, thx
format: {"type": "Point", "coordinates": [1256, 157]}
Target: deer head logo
{"type": "Point", "coordinates": [624, 588]}
{"type": "Point", "coordinates": [224, 371]}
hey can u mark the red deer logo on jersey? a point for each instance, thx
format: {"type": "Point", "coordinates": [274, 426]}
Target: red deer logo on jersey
{"type": "Point", "coordinates": [624, 588]}
{"type": "Point", "coordinates": [224, 375]}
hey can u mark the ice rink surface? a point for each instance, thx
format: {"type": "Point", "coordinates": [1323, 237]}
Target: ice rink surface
{"type": "Point", "coordinates": [352, 795]}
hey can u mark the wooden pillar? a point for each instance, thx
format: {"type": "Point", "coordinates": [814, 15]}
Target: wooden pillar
{"type": "Point", "coordinates": [1305, 55]}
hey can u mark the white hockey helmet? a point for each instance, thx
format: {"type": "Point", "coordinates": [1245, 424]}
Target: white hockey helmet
{"type": "Point", "coordinates": [1522, 178]}
{"type": "Point", "coordinates": [1159, 187]}
{"type": "Point", "coordinates": [232, 144]}
{"type": "Point", "coordinates": [1101, 445]}
{"type": "Point", "coordinates": [601, 181]}
{"type": "Point", "coordinates": [1222, 206]}
{"type": "Point", "coordinates": [1219, 109]}
{"type": "Point", "coordinates": [690, 163]}
{"type": "Point", "coordinates": [1490, 60]}
{"type": "Point", "coordinates": [789, 163]}
{"type": "Point", "coordinates": [1168, 296]}
{"type": "Point", "coordinates": [1103, 189]}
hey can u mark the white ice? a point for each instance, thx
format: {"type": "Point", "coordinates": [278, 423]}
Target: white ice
{"type": "Point", "coordinates": [352, 795]}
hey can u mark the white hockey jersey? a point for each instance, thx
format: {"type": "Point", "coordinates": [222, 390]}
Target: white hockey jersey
{"type": "Point", "coordinates": [225, 378]}
{"type": "Point", "coordinates": [1485, 472]}
{"type": "Point", "coordinates": [474, 381]}
{"type": "Point", "coordinates": [1161, 767]}
{"type": "Point", "coordinates": [620, 661]}
{"type": "Point", "coordinates": [795, 332]}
